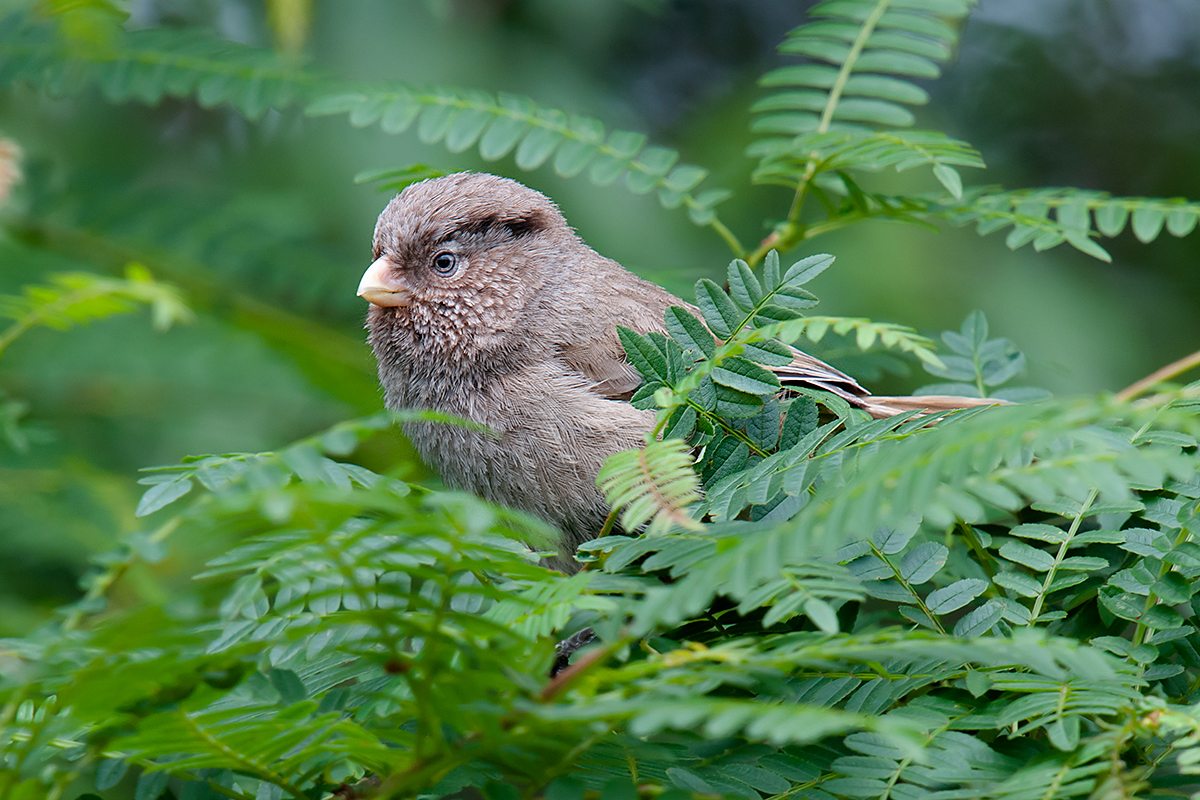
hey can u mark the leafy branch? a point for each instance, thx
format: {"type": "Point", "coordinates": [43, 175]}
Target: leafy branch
{"type": "Point", "coordinates": [78, 298]}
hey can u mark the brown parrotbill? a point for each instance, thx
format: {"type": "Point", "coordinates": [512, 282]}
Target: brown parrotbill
{"type": "Point", "coordinates": [485, 304]}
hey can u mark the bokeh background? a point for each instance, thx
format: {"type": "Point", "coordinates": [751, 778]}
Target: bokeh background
{"type": "Point", "coordinates": [263, 227]}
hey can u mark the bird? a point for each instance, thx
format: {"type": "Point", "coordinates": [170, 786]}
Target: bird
{"type": "Point", "coordinates": [485, 304]}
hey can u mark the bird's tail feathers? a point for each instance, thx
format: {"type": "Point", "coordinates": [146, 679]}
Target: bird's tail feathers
{"type": "Point", "coordinates": [880, 406]}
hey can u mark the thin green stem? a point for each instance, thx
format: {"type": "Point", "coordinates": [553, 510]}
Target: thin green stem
{"type": "Point", "coordinates": [730, 430]}
{"type": "Point", "coordinates": [985, 560]}
{"type": "Point", "coordinates": [40, 314]}
{"type": "Point", "coordinates": [980, 386]}
{"type": "Point", "coordinates": [1062, 553]}
{"type": "Point", "coordinates": [1139, 632]}
{"type": "Point", "coordinates": [739, 250]}
{"type": "Point", "coordinates": [860, 42]}
{"type": "Point", "coordinates": [908, 588]}
{"type": "Point", "coordinates": [609, 522]}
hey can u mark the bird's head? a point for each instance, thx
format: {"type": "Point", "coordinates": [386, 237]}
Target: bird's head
{"type": "Point", "coordinates": [456, 259]}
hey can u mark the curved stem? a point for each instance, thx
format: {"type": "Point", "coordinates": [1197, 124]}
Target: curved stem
{"type": "Point", "coordinates": [1159, 375]}
{"type": "Point", "coordinates": [739, 251]}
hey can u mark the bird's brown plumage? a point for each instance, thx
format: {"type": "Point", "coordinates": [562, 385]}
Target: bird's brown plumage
{"type": "Point", "coordinates": [487, 305]}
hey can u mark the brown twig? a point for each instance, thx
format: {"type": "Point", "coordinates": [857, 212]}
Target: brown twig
{"type": "Point", "coordinates": [559, 681]}
{"type": "Point", "coordinates": [1159, 375]}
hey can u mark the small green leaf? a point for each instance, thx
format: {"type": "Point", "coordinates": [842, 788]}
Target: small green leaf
{"type": "Point", "coordinates": [572, 157]}
{"type": "Point", "coordinates": [1020, 583]}
{"type": "Point", "coordinates": [744, 287]}
{"type": "Point", "coordinates": [1148, 223]}
{"type": "Point", "coordinates": [537, 146]}
{"type": "Point", "coordinates": [334, 104]}
{"type": "Point", "coordinates": [955, 596]}
{"type": "Point", "coordinates": [806, 269]}
{"type": "Point", "coordinates": [1085, 244]}
{"type": "Point", "coordinates": [763, 428]}
{"type": "Point", "coordinates": [771, 275]}
{"type": "Point", "coordinates": [1064, 733]}
{"type": "Point", "coordinates": [109, 772]}
{"type": "Point", "coordinates": [1182, 221]}
{"type": "Point", "coordinates": [162, 494]}
{"type": "Point", "coordinates": [979, 621]}
{"type": "Point", "coordinates": [367, 112]}
{"type": "Point", "coordinates": [719, 311]}
{"type": "Point", "coordinates": [1025, 555]}
{"type": "Point", "coordinates": [891, 541]}
{"type": "Point", "coordinates": [1040, 532]}
{"type": "Point", "coordinates": [821, 614]}
{"type": "Point", "coordinates": [435, 121]}
{"type": "Point", "coordinates": [466, 127]}
{"type": "Point", "coordinates": [680, 424]}
{"type": "Point", "coordinates": [745, 376]}
{"type": "Point", "coordinates": [642, 353]}
{"type": "Point", "coordinates": [400, 114]}
{"type": "Point", "coordinates": [501, 136]}
{"type": "Point", "coordinates": [1121, 604]}
{"type": "Point", "coordinates": [606, 168]}
{"type": "Point", "coordinates": [288, 684]}
{"type": "Point", "coordinates": [151, 785]}
{"type": "Point", "coordinates": [737, 404]}
{"type": "Point", "coordinates": [948, 176]}
{"type": "Point", "coordinates": [1111, 219]}
{"type": "Point", "coordinates": [978, 683]}
{"type": "Point", "coordinates": [729, 457]}
{"type": "Point", "coordinates": [689, 332]}
{"type": "Point", "coordinates": [925, 561]}
{"type": "Point", "coordinates": [565, 787]}
{"type": "Point", "coordinates": [685, 177]}
{"type": "Point", "coordinates": [770, 352]}
{"type": "Point", "coordinates": [801, 419]}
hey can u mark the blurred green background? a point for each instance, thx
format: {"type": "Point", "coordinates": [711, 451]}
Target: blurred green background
{"type": "Point", "coordinates": [263, 227]}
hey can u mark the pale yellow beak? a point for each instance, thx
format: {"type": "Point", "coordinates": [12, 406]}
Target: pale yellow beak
{"type": "Point", "coordinates": [380, 287]}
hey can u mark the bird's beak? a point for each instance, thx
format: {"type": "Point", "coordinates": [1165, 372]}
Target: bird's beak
{"type": "Point", "coordinates": [380, 287]}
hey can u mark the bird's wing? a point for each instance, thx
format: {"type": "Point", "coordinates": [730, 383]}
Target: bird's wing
{"type": "Point", "coordinates": [593, 347]}
{"type": "Point", "coordinates": [595, 351]}
{"type": "Point", "coordinates": [816, 374]}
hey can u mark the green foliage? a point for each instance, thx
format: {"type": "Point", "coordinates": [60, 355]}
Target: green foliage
{"type": "Point", "coordinates": [979, 365]}
{"type": "Point", "coordinates": [146, 66]}
{"type": "Point", "coordinates": [991, 603]}
{"type": "Point", "coordinates": [653, 485]}
{"type": "Point", "coordinates": [78, 298]}
{"type": "Point", "coordinates": [508, 124]}
{"type": "Point", "coordinates": [845, 114]}
{"type": "Point", "coordinates": [1078, 216]}
{"type": "Point", "coordinates": [74, 299]}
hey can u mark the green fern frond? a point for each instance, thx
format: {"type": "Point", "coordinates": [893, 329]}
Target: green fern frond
{"type": "Point", "coordinates": [653, 485]}
{"type": "Point", "coordinates": [859, 49]}
{"type": "Point", "coordinates": [506, 124]}
{"type": "Point", "coordinates": [979, 366]}
{"type": "Point", "coordinates": [943, 473]}
{"type": "Point", "coordinates": [1044, 218]}
{"type": "Point", "coordinates": [77, 298]}
{"type": "Point", "coordinates": [145, 66]}
{"type": "Point", "coordinates": [1078, 216]}
{"type": "Point", "coordinates": [785, 161]}
{"type": "Point", "coordinates": [148, 65]}
{"type": "Point", "coordinates": [862, 54]}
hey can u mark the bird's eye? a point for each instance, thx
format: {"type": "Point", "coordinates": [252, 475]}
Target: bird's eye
{"type": "Point", "coordinates": [445, 263]}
